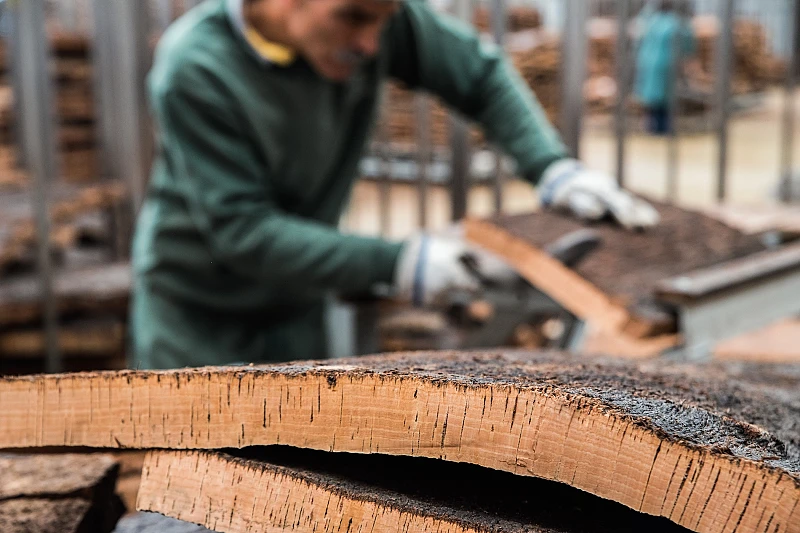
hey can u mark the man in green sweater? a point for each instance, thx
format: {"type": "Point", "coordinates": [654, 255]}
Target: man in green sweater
{"type": "Point", "coordinates": [263, 109]}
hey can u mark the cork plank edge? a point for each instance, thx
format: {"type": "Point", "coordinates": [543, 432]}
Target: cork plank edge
{"type": "Point", "coordinates": [576, 294]}
{"type": "Point", "coordinates": [552, 435]}
{"type": "Point", "coordinates": [230, 495]}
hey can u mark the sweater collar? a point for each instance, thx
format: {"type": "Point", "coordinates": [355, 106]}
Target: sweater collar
{"type": "Point", "coordinates": [270, 53]}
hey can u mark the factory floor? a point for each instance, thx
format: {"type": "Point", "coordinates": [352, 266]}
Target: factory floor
{"type": "Point", "coordinates": [754, 176]}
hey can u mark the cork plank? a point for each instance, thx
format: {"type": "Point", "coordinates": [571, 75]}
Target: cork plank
{"type": "Point", "coordinates": [614, 286]}
{"type": "Point", "coordinates": [303, 491]}
{"type": "Point", "coordinates": [711, 448]}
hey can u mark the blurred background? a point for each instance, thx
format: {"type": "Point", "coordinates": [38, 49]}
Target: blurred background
{"type": "Point", "coordinates": [76, 143]}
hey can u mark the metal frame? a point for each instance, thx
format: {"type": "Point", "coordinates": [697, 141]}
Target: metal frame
{"type": "Point", "coordinates": [499, 28]}
{"type": "Point", "coordinates": [706, 321]}
{"type": "Point", "coordinates": [121, 42]}
{"type": "Point", "coordinates": [460, 151]}
{"type": "Point", "coordinates": [723, 92]}
{"type": "Point", "coordinates": [29, 38]}
{"type": "Point", "coordinates": [576, 42]}
{"type": "Point", "coordinates": [790, 111]}
{"type": "Point", "coordinates": [623, 84]}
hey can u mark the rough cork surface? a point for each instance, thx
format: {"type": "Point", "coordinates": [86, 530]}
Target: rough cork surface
{"type": "Point", "coordinates": [628, 265]}
{"type": "Point", "coordinates": [68, 493]}
{"type": "Point", "coordinates": [712, 447]}
{"type": "Point", "coordinates": [55, 475]}
{"type": "Point", "coordinates": [33, 515]}
{"type": "Point", "coordinates": [749, 411]}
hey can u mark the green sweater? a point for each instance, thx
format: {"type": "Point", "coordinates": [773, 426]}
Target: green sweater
{"type": "Point", "coordinates": [256, 162]}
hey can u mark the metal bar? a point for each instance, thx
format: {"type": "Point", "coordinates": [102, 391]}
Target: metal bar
{"type": "Point", "coordinates": [674, 112]}
{"type": "Point", "coordinates": [723, 92]}
{"type": "Point", "coordinates": [623, 83]}
{"type": "Point", "coordinates": [16, 80]}
{"type": "Point", "coordinates": [132, 60]}
{"type": "Point", "coordinates": [499, 28]}
{"type": "Point", "coordinates": [104, 80]}
{"type": "Point", "coordinates": [67, 14]}
{"type": "Point", "coordinates": [460, 152]}
{"type": "Point", "coordinates": [385, 157]}
{"type": "Point", "coordinates": [573, 76]}
{"type": "Point", "coordinates": [422, 110]}
{"type": "Point", "coordinates": [789, 109]}
{"type": "Point", "coordinates": [30, 36]}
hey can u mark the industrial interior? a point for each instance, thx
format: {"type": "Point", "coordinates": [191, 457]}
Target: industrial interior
{"type": "Point", "coordinates": [634, 373]}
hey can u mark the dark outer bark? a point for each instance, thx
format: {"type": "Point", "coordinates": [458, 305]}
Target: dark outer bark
{"type": "Point", "coordinates": [745, 411]}
{"type": "Point", "coordinates": [56, 475]}
{"type": "Point", "coordinates": [628, 264]}
{"type": "Point", "coordinates": [45, 516]}
{"type": "Point", "coordinates": [65, 493]}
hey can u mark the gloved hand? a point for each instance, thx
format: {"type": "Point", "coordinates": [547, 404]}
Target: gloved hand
{"type": "Point", "coordinates": [590, 195]}
{"type": "Point", "coordinates": [431, 268]}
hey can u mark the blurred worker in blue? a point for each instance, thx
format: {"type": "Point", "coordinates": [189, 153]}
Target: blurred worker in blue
{"type": "Point", "coordinates": [667, 42]}
{"type": "Point", "coordinates": [263, 110]}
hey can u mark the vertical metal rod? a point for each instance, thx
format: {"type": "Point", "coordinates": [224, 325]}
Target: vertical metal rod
{"type": "Point", "coordinates": [789, 111]}
{"type": "Point", "coordinates": [16, 81]}
{"type": "Point", "coordinates": [422, 111]}
{"type": "Point", "coordinates": [623, 82]}
{"type": "Point", "coordinates": [67, 14]}
{"type": "Point", "coordinates": [30, 36]}
{"type": "Point", "coordinates": [163, 13]}
{"type": "Point", "coordinates": [104, 77]}
{"type": "Point", "coordinates": [385, 157]}
{"type": "Point", "coordinates": [499, 27]}
{"type": "Point", "coordinates": [132, 59]}
{"type": "Point", "coordinates": [723, 92]}
{"type": "Point", "coordinates": [575, 44]}
{"type": "Point", "coordinates": [460, 153]}
{"type": "Point", "coordinates": [674, 84]}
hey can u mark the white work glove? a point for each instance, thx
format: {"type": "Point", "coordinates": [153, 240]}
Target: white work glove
{"type": "Point", "coordinates": [590, 195]}
{"type": "Point", "coordinates": [432, 268]}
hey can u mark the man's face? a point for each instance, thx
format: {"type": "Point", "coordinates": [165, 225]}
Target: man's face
{"type": "Point", "coordinates": [335, 36]}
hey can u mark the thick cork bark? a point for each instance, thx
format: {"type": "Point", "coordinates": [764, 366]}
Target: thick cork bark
{"type": "Point", "coordinates": [286, 489]}
{"type": "Point", "coordinates": [715, 449]}
{"type": "Point", "coordinates": [614, 286]}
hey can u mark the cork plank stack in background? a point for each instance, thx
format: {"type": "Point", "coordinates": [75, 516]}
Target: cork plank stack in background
{"type": "Point", "coordinates": [71, 68]}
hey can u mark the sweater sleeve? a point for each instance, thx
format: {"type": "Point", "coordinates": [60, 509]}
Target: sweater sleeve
{"type": "Point", "coordinates": [226, 184]}
{"type": "Point", "coordinates": [440, 54]}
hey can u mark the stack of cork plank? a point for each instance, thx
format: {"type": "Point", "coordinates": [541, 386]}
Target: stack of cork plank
{"type": "Point", "coordinates": [91, 291]}
{"type": "Point", "coordinates": [755, 66]}
{"type": "Point", "coordinates": [538, 55]}
{"type": "Point", "coordinates": [75, 135]}
{"type": "Point", "coordinates": [458, 442]}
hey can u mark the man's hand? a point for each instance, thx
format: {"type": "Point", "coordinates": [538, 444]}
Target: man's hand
{"type": "Point", "coordinates": [589, 195]}
{"type": "Point", "coordinates": [431, 268]}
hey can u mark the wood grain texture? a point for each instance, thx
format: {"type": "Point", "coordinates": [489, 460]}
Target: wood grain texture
{"type": "Point", "coordinates": [713, 449]}
{"type": "Point", "coordinates": [615, 282]}
{"type": "Point", "coordinates": [281, 489]}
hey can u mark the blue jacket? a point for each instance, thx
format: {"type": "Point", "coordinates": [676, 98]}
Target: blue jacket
{"type": "Point", "coordinates": [656, 62]}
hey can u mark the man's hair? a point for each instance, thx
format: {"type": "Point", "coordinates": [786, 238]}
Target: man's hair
{"type": "Point", "coordinates": [681, 7]}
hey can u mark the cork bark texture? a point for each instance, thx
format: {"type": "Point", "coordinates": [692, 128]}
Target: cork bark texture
{"type": "Point", "coordinates": [68, 493]}
{"type": "Point", "coordinates": [626, 267]}
{"type": "Point", "coordinates": [287, 489]}
{"type": "Point", "coordinates": [714, 448]}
